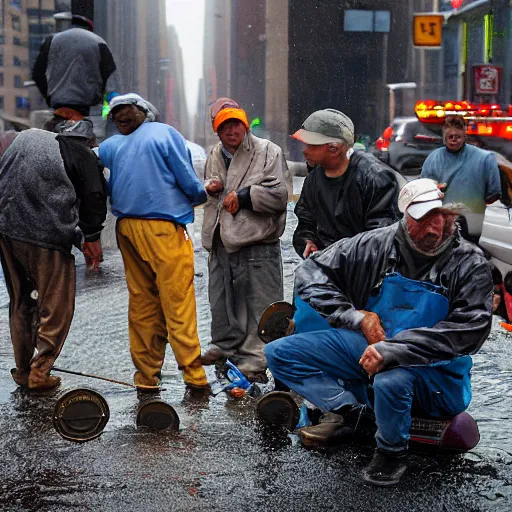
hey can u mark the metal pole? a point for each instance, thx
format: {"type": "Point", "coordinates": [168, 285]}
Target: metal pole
{"type": "Point", "coordinates": [91, 376]}
{"type": "Point", "coordinates": [391, 105]}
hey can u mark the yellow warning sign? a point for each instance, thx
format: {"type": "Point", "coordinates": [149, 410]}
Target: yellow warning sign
{"type": "Point", "coordinates": [428, 30]}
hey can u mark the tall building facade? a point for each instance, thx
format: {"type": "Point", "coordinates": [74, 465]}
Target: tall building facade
{"type": "Point", "coordinates": [176, 108]}
{"type": "Point", "coordinates": [282, 60]}
{"type": "Point", "coordinates": [478, 33]}
{"type": "Point", "coordinates": [23, 27]}
{"type": "Point", "coordinates": [136, 33]}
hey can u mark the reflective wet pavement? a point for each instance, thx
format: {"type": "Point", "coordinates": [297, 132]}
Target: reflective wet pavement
{"type": "Point", "coordinates": [220, 460]}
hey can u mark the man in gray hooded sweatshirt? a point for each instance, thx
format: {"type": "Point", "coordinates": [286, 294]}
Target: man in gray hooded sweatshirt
{"type": "Point", "coordinates": [52, 196]}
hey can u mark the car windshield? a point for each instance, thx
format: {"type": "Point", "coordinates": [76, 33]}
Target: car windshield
{"type": "Point", "coordinates": [412, 129]}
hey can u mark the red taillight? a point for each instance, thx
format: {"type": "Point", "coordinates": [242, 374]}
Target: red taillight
{"type": "Point", "coordinates": [382, 144]}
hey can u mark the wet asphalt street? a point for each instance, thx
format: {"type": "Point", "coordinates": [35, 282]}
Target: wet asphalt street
{"type": "Point", "coordinates": [220, 460]}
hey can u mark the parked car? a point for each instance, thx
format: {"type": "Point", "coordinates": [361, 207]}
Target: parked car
{"type": "Point", "coordinates": [405, 145]}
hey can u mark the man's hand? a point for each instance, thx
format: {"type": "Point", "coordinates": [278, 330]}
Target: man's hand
{"type": "Point", "coordinates": [93, 254]}
{"type": "Point", "coordinates": [213, 186]}
{"type": "Point", "coordinates": [310, 249]}
{"type": "Point", "coordinates": [231, 203]}
{"type": "Point", "coordinates": [371, 361]}
{"type": "Point", "coordinates": [372, 328]}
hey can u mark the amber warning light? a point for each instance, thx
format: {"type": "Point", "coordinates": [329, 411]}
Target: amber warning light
{"type": "Point", "coordinates": [490, 119]}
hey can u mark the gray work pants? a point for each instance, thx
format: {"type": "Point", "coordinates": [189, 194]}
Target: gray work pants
{"type": "Point", "coordinates": [241, 286]}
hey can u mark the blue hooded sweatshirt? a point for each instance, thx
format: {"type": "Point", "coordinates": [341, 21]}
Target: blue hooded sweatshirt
{"type": "Point", "coordinates": [151, 175]}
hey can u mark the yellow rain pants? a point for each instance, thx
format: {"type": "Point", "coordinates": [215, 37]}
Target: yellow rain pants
{"type": "Point", "coordinates": [159, 266]}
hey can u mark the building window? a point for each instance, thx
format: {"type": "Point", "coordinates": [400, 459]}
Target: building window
{"type": "Point", "coordinates": [46, 28]}
{"type": "Point", "coordinates": [16, 41]}
{"type": "Point", "coordinates": [22, 102]}
{"type": "Point", "coordinates": [16, 23]}
{"type": "Point", "coordinates": [35, 13]}
{"type": "Point", "coordinates": [1, 102]}
{"type": "Point", "coordinates": [1, 59]}
{"type": "Point", "coordinates": [18, 82]}
{"type": "Point", "coordinates": [2, 39]}
{"type": "Point", "coordinates": [1, 79]}
{"type": "Point", "coordinates": [16, 61]}
{"type": "Point", "coordinates": [356, 20]}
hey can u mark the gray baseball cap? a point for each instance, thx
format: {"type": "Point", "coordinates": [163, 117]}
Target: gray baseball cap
{"type": "Point", "coordinates": [325, 127]}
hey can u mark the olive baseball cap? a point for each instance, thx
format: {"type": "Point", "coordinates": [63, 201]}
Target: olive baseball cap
{"type": "Point", "coordinates": [325, 127]}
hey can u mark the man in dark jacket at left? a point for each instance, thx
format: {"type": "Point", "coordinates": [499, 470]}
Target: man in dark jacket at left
{"type": "Point", "coordinates": [52, 196]}
{"type": "Point", "coordinates": [347, 192]}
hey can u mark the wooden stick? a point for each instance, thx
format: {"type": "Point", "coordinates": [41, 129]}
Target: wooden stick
{"type": "Point", "coordinates": [81, 374]}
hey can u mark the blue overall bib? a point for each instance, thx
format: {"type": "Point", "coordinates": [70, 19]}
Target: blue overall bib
{"type": "Point", "coordinates": [323, 365]}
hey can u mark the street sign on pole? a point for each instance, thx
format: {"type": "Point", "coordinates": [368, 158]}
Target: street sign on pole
{"type": "Point", "coordinates": [428, 30]}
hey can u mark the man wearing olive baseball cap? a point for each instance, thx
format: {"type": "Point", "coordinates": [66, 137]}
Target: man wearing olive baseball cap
{"type": "Point", "coordinates": [347, 192]}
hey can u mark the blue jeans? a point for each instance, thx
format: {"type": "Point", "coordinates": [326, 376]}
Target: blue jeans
{"type": "Point", "coordinates": [323, 367]}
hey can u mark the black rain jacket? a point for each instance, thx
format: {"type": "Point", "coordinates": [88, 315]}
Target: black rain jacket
{"type": "Point", "coordinates": [337, 281]}
{"type": "Point", "coordinates": [367, 200]}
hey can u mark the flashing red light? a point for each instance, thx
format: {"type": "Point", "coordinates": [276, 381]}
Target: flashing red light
{"type": "Point", "coordinates": [489, 120]}
{"type": "Point", "coordinates": [457, 3]}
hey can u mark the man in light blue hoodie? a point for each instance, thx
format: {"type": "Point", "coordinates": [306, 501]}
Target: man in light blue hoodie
{"type": "Point", "coordinates": [470, 175]}
{"type": "Point", "coordinates": [153, 190]}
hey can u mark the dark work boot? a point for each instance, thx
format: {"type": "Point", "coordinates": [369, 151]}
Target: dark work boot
{"type": "Point", "coordinates": [148, 392]}
{"type": "Point", "coordinates": [331, 430]}
{"type": "Point", "coordinates": [386, 468]}
{"type": "Point", "coordinates": [212, 355]}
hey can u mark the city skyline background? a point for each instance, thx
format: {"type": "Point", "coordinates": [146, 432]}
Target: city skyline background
{"type": "Point", "coordinates": [187, 17]}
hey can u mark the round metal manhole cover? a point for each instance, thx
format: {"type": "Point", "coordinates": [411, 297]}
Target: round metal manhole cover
{"type": "Point", "coordinates": [275, 321]}
{"type": "Point", "coordinates": [80, 415]}
{"type": "Point", "coordinates": [156, 414]}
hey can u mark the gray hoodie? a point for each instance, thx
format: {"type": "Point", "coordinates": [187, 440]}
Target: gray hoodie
{"type": "Point", "coordinates": [38, 200]}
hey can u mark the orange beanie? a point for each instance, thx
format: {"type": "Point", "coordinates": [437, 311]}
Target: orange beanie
{"type": "Point", "coordinates": [230, 113]}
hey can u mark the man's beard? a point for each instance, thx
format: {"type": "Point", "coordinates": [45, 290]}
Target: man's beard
{"type": "Point", "coordinates": [435, 250]}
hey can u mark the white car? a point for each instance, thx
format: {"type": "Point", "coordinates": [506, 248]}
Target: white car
{"type": "Point", "coordinates": [497, 236]}
{"type": "Point", "coordinates": [497, 226]}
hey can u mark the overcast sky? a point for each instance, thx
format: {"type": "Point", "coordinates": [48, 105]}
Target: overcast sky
{"type": "Point", "coordinates": [188, 18]}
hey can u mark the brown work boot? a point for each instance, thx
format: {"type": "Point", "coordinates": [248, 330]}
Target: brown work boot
{"type": "Point", "coordinates": [46, 383]}
{"type": "Point", "coordinates": [39, 377]}
{"type": "Point", "coordinates": [331, 430]}
{"type": "Point", "coordinates": [20, 377]}
{"type": "Point", "coordinates": [212, 355]}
